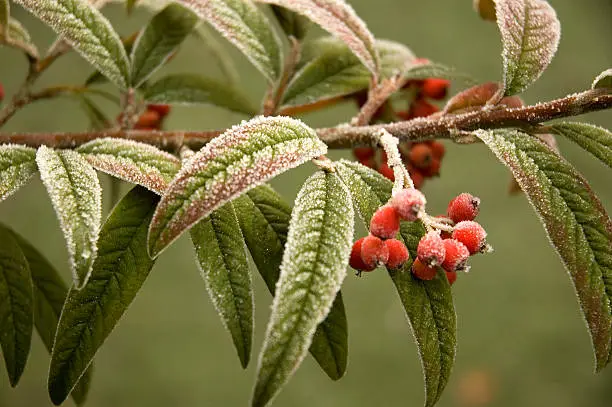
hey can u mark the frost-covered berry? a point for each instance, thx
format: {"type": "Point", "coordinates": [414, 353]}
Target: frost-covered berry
{"type": "Point", "coordinates": [363, 153]}
{"type": "Point", "coordinates": [385, 223]}
{"type": "Point", "coordinates": [420, 155]}
{"type": "Point", "coordinates": [451, 276]}
{"type": "Point", "coordinates": [355, 260]}
{"type": "Point", "coordinates": [456, 255]}
{"type": "Point", "coordinates": [374, 252]}
{"type": "Point", "coordinates": [423, 272]}
{"type": "Point", "coordinates": [398, 253]}
{"type": "Point", "coordinates": [408, 203]}
{"type": "Point", "coordinates": [463, 207]}
{"type": "Point", "coordinates": [430, 250]}
{"type": "Point", "coordinates": [472, 235]}
{"type": "Point", "coordinates": [435, 88]}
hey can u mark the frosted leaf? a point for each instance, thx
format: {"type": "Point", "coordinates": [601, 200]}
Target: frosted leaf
{"type": "Point", "coordinates": [88, 32]}
{"type": "Point", "coordinates": [134, 162]}
{"type": "Point", "coordinates": [90, 314]}
{"type": "Point", "coordinates": [14, 34]}
{"type": "Point", "coordinates": [16, 306]}
{"type": "Point", "coordinates": [313, 268]}
{"type": "Point", "coordinates": [603, 80]}
{"type": "Point", "coordinates": [575, 221]}
{"type": "Point", "coordinates": [17, 166]}
{"type": "Point", "coordinates": [340, 20]}
{"type": "Point", "coordinates": [530, 34]}
{"type": "Point", "coordinates": [5, 13]}
{"type": "Point", "coordinates": [329, 70]}
{"type": "Point", "coordinates": [196, 89]}
{"type": "Point", "coordinates": [219, 246]}
{"type": "Point", "coordinates": [159, 40]}
{"type": "Point", "coordinates": [245, 26]}
{"type": "Point", "coordinates": [241, 158]}
{"type": "Point", "coordinates": [75, 192]}
{"type": "Point", "coordinates": [50, 292]}
{"type": "Point", "coordinates": [428, 304]}
{"type": "Point", "coordinates": [594, 139]}
{"type": "Point", "coordinates": [264, 220]}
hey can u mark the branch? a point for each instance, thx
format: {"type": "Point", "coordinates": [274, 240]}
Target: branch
{"type": "Point", "coordinates": [345, 136]}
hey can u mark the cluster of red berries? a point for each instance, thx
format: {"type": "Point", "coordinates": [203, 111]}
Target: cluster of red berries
{"type": "Point", "coordinates": [449, 249]}
{"type": "Point", "coordinates": [152, 118]}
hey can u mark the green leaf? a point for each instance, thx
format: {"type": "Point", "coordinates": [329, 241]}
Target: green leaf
{"type": "Point", "coordinates": [17, 166]}
{"type": "Point", "coordinates": [75, 192]}
{"type": "Point", "coordinates": [313, 268]}
{"type": "Point", "coordinates": [264, 219]}
{"type": "Point", "coordinates": [339, 19]}
{"type": "Point", "coordinates": [196, 89]}
{"type": "Point", "coordinates": [574, 219]}
{"type": "Point", "coordinates": [293, 24]}
{"type": "Point", "coordinates": [243, 157]}
{"type": "Point", "coordinates": [16, 306]}
{"type": "Point", "coordinates": [428, 304]}
{"type": "Point", "coordinates": [88, 32]}
{"type": "Point", "coordinates": [596, 140]}
{"type": "Point", "coordinates": [134, 162]}
{"type": "Point", "coordinates": [329, 70]}
{"type": "Point", "coordinates": [603, 80]}
{"type": "Point", "coordinates": [245, 26]}
{"type": "Point", "coordinates": [90, 314]}
{"type": "Point", "coordinates": [5, 14]}
{"type": "Point", "coordinates": [530, 34]}
{"type": "Point", "coordinates": [15, 35]}
{"type": "Point", "coordinates": [431, 70]}
{"type": "Point", "coordinates": [50, 292]}
{"type": "Point", "coordinates": [159, 40]}
{"type": "Point", "coordinates": [223, 263]}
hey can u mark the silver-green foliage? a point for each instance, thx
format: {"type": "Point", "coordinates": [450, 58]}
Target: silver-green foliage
{"type": "Point", "coordinates": [17, 166]}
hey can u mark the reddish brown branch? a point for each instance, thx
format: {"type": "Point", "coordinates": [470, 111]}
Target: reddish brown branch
{"type": "Point", "coordinates": [347, 136]}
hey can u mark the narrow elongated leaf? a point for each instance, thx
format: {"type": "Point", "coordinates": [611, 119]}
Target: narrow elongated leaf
{"type": "Point", "coordinates": [428, 304]}
{"type": "Point", "coordinates": [195, 89]}
{"type": "Point", "coordinates": [332, 70]}
{"type": "Point", "coordinates": [88, 32]}
{"type": "Point", "coordinates": [312, 271]}
{"type": "Point", "coordinates": [596, 140]}
{"type": "Point", "coordinates": [50, 292]}
{"type": "Point", "coordinates": [17, 166]}
{"type": "Point", "coordinates": [339, 19]}
{"type": "Point", "coordinates": [575, 221]}
{"type": "Point", "coordinates": [264, 219]}
{"type": "Point", "coordinates": [293, 24]}
{"type": "Point", "coordinates": [530, 34]}
{"type": "Point", "coordinates": [603, 80]}
{"type": "Point", "coordinates": [76, 195]}
{"type": "Point", "coordinates": [245, 26]}
{"type": "Point", "coordinates": [89, 315]}
{"type": "Point", "coordinates": [220, 249]}
{"type": "Point", "coordinates": [16, 306]}
{"type": "Point", "coordinates": [240, 159]}
{"type": "Point", "coordinates": [138, 163]}
{"type": "Point", "coordinates": [159, 40]}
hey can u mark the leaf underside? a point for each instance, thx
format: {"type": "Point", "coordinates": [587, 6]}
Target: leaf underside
{"type": "Point", "coordinates": [17, 166]}
{"type": "Point", "coordinates": [90, 314]}
{"type": "Point", "coordinates": [428, 304]}
{"type": "Point", "coordinates": [574, 219]}
{"type": "Point", "coordinates": [313, 268]}
{"type": "Point", "coordinates": [264, 219]}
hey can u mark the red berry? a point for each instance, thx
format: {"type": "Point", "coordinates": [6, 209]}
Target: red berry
{"type": "Point", "coordinates": [387, 171]}
{"type": "Point", "coordinates": [420, 155]}
{"type": "Point", "coordinates": [423, 272]}
{"type": "Point", "coordinates": [374, 252]}
{"type": "Point", "coordinates": [162, 110]}
{"type": "Point", "coordinates": [417, 178]}
{"type": "Point", "coordinates": [368, 162]}
{"type": "Point", "coordinates": [408, 203]}
{"type": "Point", "coordinates": [431, 249]}
{"type": "Point", "coordinates": [1, 92]}
{"type": "Point", "coordinates": [398, 253]}
{"type": "Point", "coordinates": [385, 223]}
{"type": "Point", "coordinates": [435, 88]}
{"type": "Point", "coordinates": [472, 235]}
{"type": "Point", "coordinates": [150, 119]}
{"type": "Point", "coordinates": [451, 276]}
{"type": "Point", "coordinates": [363, 153]}
{"type": "Point", "coordinates": [437, 149]}
{"type": "Point", "coordinates": [463, 207]}
{"type": "Point", "coordinates": [422, 108]}
{"type": "Point", "coordinates": [355, 261]}
{"type": "Point", "coordinates": [433, 170]}
{"type": "Point", "coordinates": [456, 255]}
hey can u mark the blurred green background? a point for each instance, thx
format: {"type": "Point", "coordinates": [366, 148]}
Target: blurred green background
{"type": "Point", "coordinates": [522, 341]}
